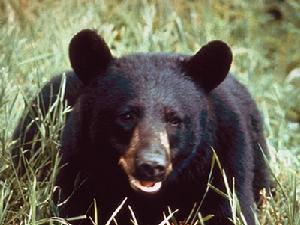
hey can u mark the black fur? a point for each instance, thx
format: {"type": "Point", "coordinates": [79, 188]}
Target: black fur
{"type": "Point", "coordinates": [191, 98]}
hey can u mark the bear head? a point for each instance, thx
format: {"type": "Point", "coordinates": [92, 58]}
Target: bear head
{"type": "Point", "coordinates": [145, 113]}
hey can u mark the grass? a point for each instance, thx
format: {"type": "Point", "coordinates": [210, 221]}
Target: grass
{"type": "Point", "coordinates": [34, 37]}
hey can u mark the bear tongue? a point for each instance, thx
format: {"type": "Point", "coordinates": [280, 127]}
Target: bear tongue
{"type": "Point", "coordinates": [147, 183]}
{"type": "Point", "coordinates": [148, 186]}
{"type": "Point", "coordinates": [145, 186]}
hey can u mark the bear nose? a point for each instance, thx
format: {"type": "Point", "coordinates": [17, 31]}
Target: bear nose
{"type": "Point", "coordinates": [150, 171]}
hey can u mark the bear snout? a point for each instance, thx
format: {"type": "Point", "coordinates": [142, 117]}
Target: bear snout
{"type": "Point", "coordinates": [150, 171]}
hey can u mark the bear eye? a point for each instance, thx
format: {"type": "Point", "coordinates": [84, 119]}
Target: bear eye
{"type": "Point", "coordinates": [173, 120]}
{"type": "Point", "coordinates": [128, 116]}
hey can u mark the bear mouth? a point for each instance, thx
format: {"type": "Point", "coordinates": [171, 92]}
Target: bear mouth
{"type": "Point", "coordinates": [145, 186]}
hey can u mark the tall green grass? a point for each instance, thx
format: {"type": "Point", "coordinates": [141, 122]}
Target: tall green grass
{"type": "Point", "coordinates": [34, 37]}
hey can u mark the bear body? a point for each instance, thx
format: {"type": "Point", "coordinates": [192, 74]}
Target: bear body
{"type": "Point", "coordinates": [146, 126]}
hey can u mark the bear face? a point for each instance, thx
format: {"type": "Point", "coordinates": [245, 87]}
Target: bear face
{"type": "Point", "coordinates": [151, 126]}
{"type": "Point", "coordinates": [145, 104]}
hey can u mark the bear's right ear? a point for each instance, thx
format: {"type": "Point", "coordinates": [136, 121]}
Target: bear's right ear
{"type": "Point", "coordinates": [89, 55]}
{"type": "Point", "coordinates": [210, 65]}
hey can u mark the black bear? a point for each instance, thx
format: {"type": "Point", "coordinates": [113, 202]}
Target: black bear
{"type": "Point", "coordinates": [146, 126]}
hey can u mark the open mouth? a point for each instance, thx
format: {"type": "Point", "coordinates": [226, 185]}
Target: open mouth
{"type": "Point", "coordinates": [145, 186]}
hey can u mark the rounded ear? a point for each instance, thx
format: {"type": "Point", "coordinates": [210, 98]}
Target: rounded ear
{"type": "Point", "coordinates": [89, 55]}
{"type": "Point", "coordinates": [210, 65]}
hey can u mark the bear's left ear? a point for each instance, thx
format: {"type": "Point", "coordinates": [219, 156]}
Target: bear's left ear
{"type": "Point", "coordinates": [210, 65]}
{"type": "Point", "coordinates": [89, 55]}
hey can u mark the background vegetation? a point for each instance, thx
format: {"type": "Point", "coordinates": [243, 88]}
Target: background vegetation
{"type": "Point", "coordinates": [34, 36]}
